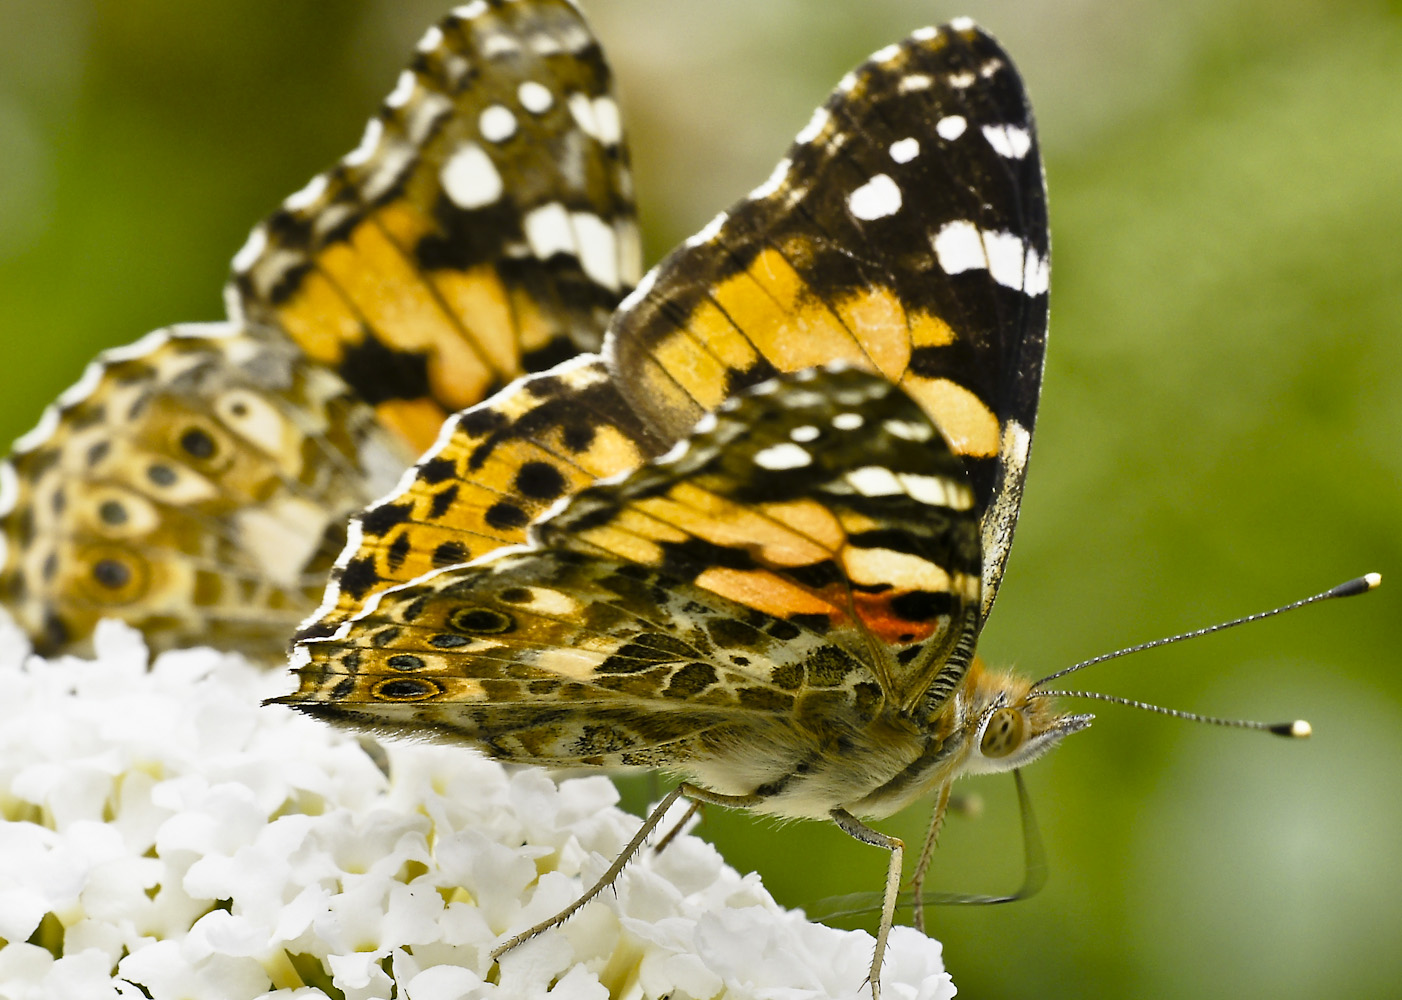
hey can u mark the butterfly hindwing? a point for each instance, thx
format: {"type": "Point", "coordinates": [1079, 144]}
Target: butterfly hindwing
{"type": "Point", "coordinates": [483, 228]}
{"type": "Point", "coordinates": [905, 232]}
{"type": "Point", "coordinates": [195, 484]}
{"type": "Point", "coordinates": [808, 557]}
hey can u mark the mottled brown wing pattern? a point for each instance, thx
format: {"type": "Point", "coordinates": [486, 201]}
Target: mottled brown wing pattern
{"type": "Point", "coordinates": [905, 232]}
{"type": "Point", "coordinates": [497, 467]}
{"type": "Point", "coordinates": [195, 484]}
{"type": "Point", "coordinates": [482, 229]}
{"type": "Point", "coordinates": [806, 560]}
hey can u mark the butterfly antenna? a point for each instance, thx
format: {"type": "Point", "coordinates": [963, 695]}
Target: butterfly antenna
{"type": "Point", "coordinates": [1296, 729]}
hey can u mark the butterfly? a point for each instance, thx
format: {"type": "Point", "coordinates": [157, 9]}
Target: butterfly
{"type": "Point", "coordinates": [753, 540]}
{"type": "Point", "coordinates": [197, 483]}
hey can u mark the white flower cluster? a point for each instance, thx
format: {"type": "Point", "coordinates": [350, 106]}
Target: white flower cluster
{"type": "Point", "coordinates": [163, 836]}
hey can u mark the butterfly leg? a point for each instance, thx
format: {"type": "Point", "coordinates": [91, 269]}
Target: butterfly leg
{"type": "Point", "coordinates": [854, 827]}
{"type": "Point", "coordinates": [675, 831]}
{"type": "Point", "coordinates": [927, 853]}
{"type": "Point", "coordinates": [692, 792]}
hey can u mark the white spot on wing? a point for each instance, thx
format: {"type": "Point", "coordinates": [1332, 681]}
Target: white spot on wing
{"type": "Point", "coordinates": [914, 82]}
{"type": "Point", "coordinates": [607, 120]}
{"type": "Point", "coordinates": [786, 455]}
{"type": "Point", "coordinates": [424, 114]}
{"type": "Point", "coordinates": [403, 90]}
{"type": "Point", "coordinates": [393, 162]}
{"type": "Point", "coordinates": [815, 125]}
{"type": "Point", "coordinates": [707, 232]}
{"type": "Point", "coordinates": [938, 491]}
{"type": "Point", "coordinates": [548, 231]}
{"type": "Point", "coordinates": [535, 97]}
{"type": "Point", "coordinates": [582, 110]}
{"type": "Point", "coordinates": [544, 45]}
{"type": "Point", "coordinates": [83, 388]}
{"type": "Point", "coordinates": [848, 421]}
{"type": "Point", "coordinates": [905, 150]}
{"type": "Point", "coordinates": [499, 44]}
{"type": "Point", "coordinates": [1006, 258]}
{"type": "Point", "coordinates": [598, 249]}
{"type": "Point", "coordinates": [925, 34]}
{"type": "Point", "coordinates": [961, 80]}
{"type": "Point", "coordinates": [1009, 141]}
{"type": "Point", "coordinates": [496, 123]}
{"type": "Point", "coordinates": [774, 181]}
{"type": "Point", "coordinates": [804, 434]}
{"type": "Point", "coordinates": [1036, 274]}
{"type": "Point", "coordinates": [875, 481]}
{"type": "Point", "coordinates": [309, 194]}
{"type": "Point", "coordinates": [886, 54]}
{"type": "Point", "coordinates": [432, 38]}
{"type": "Point", "coordinates": [469, 11]}
{"type": "Point", "coordinates": [369, 142]}
{"type": "Point", "coordinates": [876, 199]}
{"type": "Point", "coordinates": [908, 431]}
{"type": "Point", "coordinates": [469, 178]}
{"type": "Point", "coordinates": [251, 250]}
{"type": "Point", "coordinates": [959, 248]}
{"type": "Point", "coordinates": [40, 432]}
{"type": "Point", "coordinates": [951, 127]}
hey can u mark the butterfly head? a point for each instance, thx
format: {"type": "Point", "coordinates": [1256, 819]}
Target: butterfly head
{"type": "Point", "coordinates": [1005, 724]}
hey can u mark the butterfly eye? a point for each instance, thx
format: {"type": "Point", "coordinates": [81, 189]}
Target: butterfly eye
{"type": "Point", "coordinates": [1003, 734]}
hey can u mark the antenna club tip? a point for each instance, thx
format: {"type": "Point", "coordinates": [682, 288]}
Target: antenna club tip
{"type": "Point", "coordinates": [1297, 730]}
{"type": "Point", "coordinates": [1358, 585]}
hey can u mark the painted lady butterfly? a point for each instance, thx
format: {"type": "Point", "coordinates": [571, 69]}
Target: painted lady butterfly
{"type": "Point", "coordinates": [197, 483]}
{"type": "Point", "coordinates": [709, 550]}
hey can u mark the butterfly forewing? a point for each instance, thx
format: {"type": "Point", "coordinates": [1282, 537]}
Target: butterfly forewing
{"type": "Point", "coordinates": [905, 232]}
{"type": "Point", "coordinates": [484, 227]}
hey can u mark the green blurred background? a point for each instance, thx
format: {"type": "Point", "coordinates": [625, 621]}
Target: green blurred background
{"type": "Point", "coordinates": [1219, 429]}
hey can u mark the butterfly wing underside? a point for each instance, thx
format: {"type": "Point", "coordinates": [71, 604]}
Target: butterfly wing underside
{"type": "Point", "coordinates": [807, 561]}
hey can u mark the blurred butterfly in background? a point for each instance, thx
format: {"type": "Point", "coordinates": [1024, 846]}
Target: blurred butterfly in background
{"type": "Point", "coordinates": [197, 483]}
